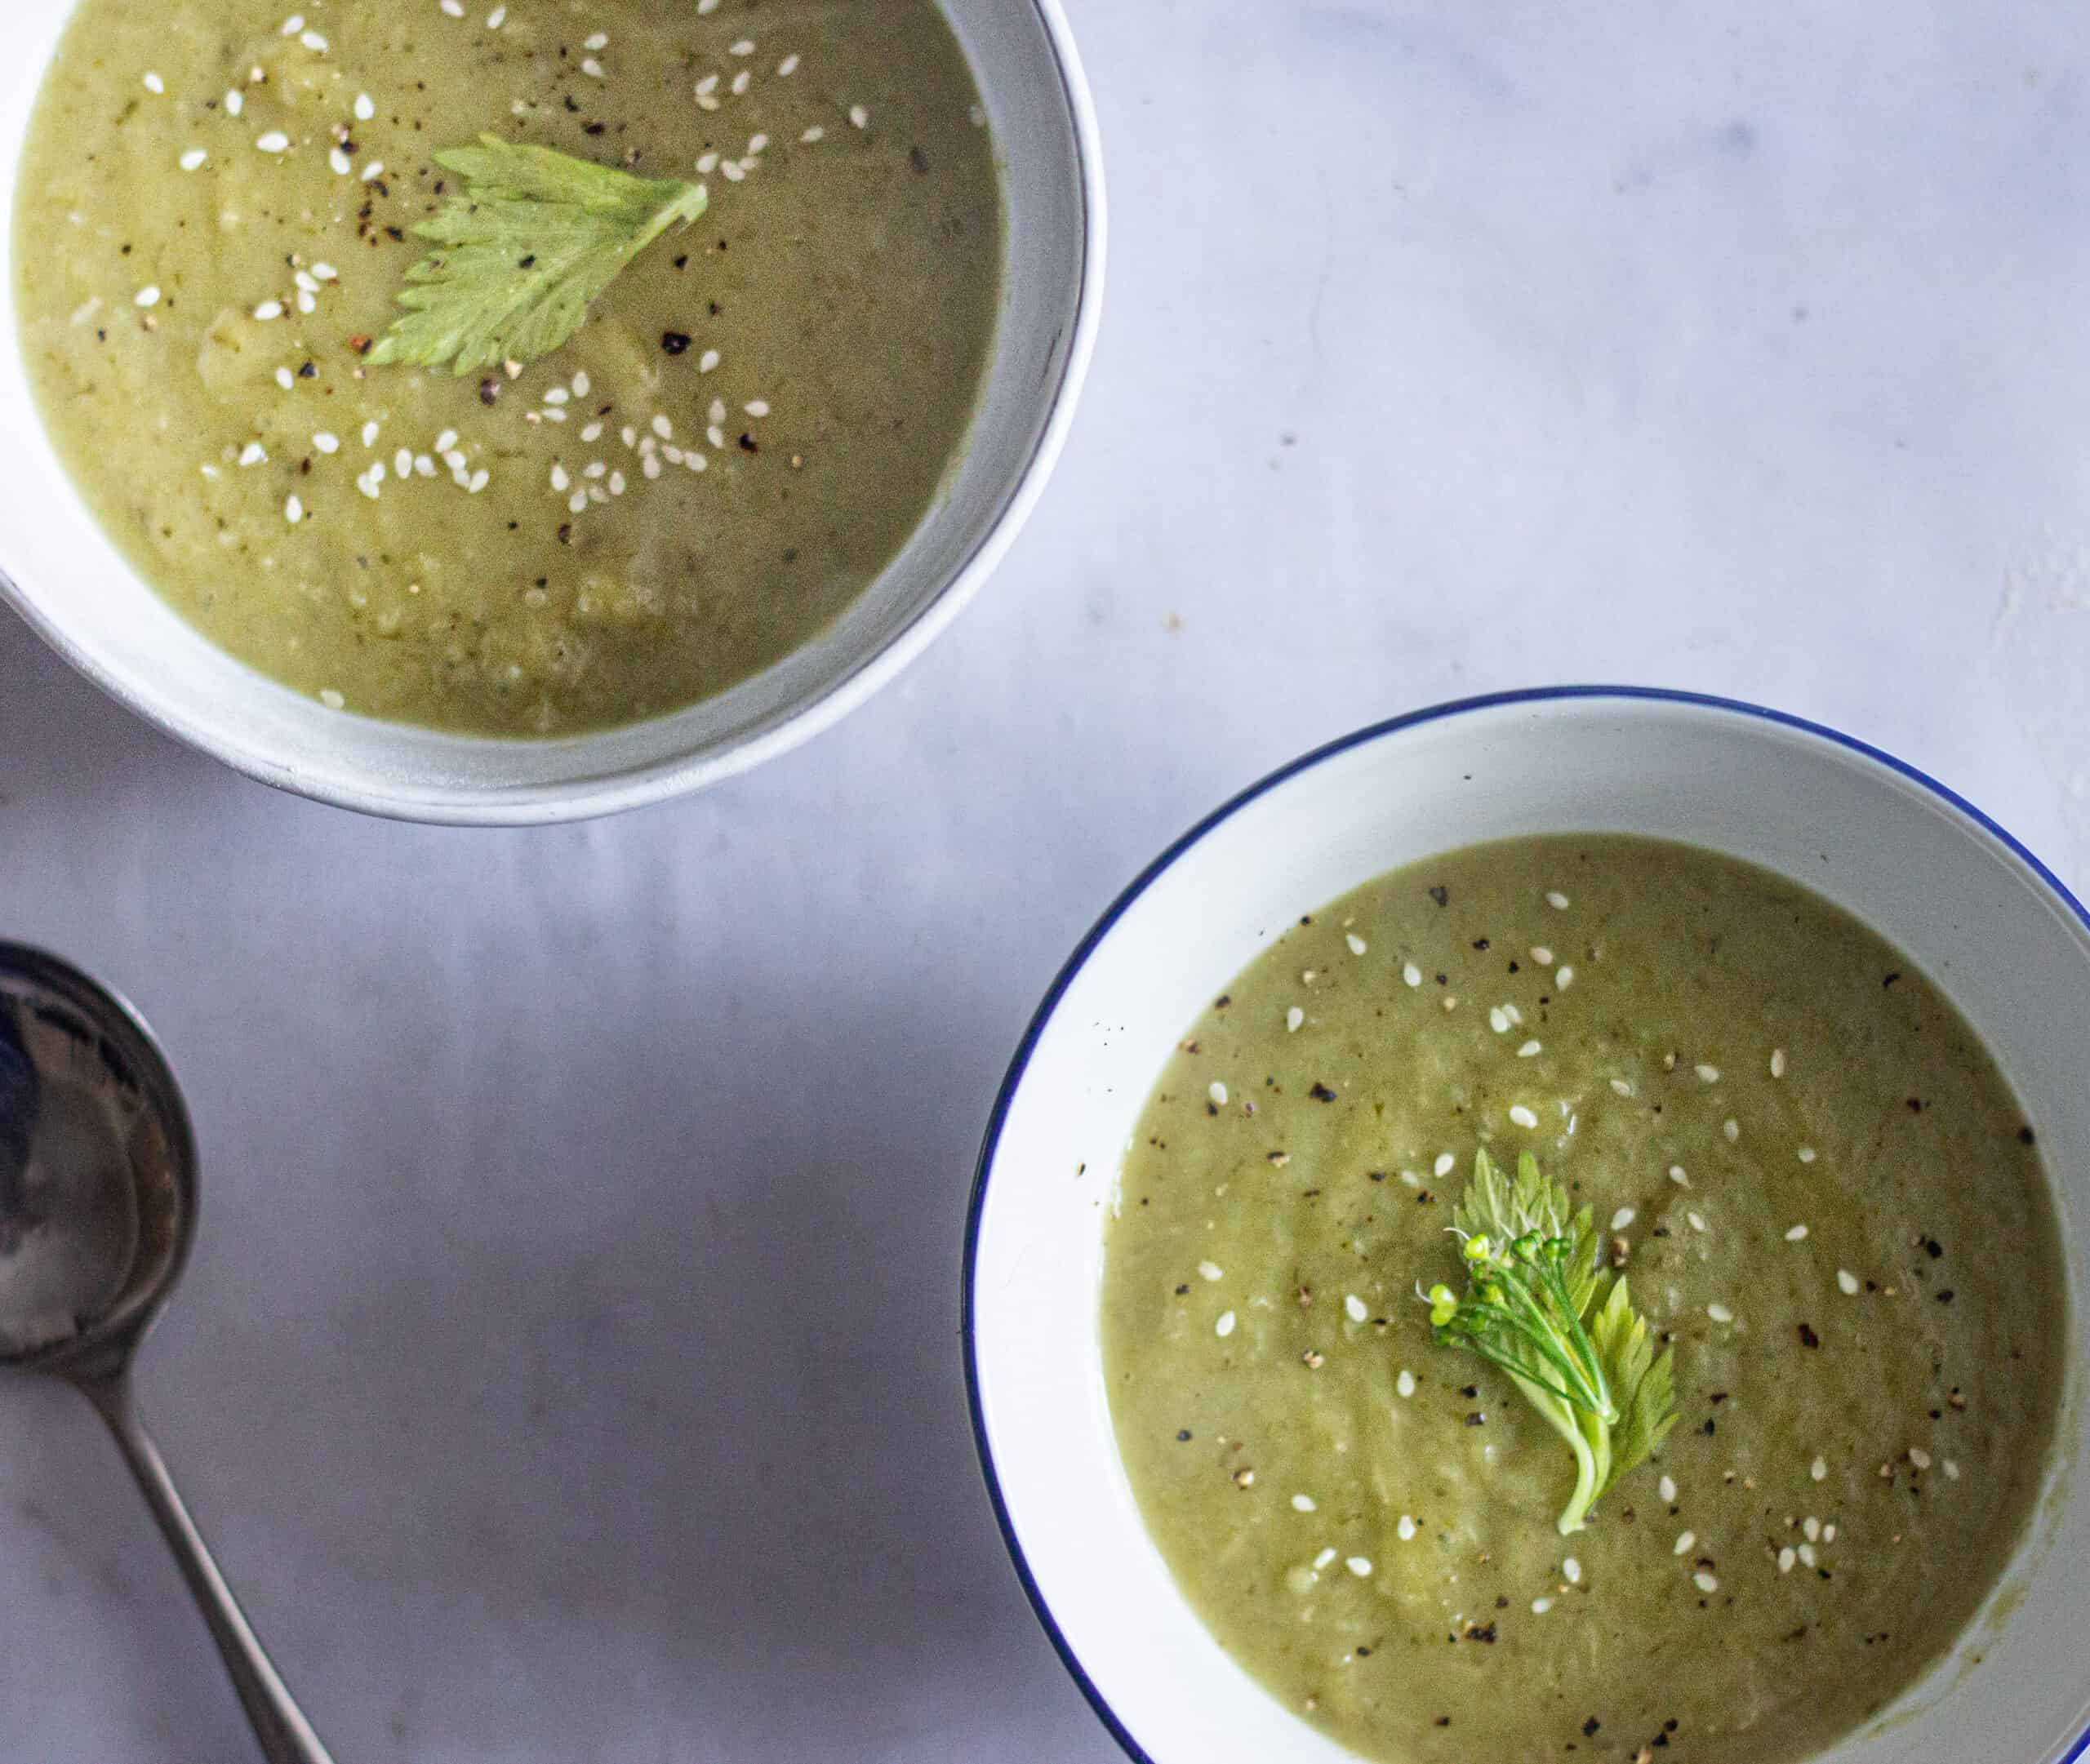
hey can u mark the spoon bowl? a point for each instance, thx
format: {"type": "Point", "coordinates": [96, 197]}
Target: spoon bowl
{"type": "Point", "coordinates": [97, 1212]}
{"type": "Point", "coordinates": [97, 1172]}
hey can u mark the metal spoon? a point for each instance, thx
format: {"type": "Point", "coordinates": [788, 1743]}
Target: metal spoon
{"type": "Point", "coordinates": [97, 1208]}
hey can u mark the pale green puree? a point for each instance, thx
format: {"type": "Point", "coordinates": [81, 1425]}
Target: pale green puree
{"type": "Point", "coordinates": [1825, 1199]}
{"type": "Point", "coordinates": [758, 415]}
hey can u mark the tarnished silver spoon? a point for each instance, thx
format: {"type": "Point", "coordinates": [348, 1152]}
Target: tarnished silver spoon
{"type": "Point", "coordinates": [97, 1207]}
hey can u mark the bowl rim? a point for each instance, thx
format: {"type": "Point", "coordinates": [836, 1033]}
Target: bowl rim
{"type": "Point", "coordinates": [400, 798]}
{"type": "Point", "coordinates": [1048, 1007]}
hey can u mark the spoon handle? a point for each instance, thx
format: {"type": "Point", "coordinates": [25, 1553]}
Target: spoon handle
{"type": "Point", "coordinates": [285, 1735]}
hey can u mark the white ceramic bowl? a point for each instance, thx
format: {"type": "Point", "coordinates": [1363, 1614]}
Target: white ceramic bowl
{"type": "Point", "coordinates": [1921, 867]}
{"type": "Point", "coordinates": [58, 571]}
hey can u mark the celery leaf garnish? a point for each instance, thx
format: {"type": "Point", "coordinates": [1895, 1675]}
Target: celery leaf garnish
{"type": "Point", "coordinates": [1538, 1307]}
{"type": "Point", "coordinates": [530, 242]}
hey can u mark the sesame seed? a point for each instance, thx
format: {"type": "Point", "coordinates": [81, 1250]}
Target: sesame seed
{"type": "Point", "coordinates": [193, 158]}
{"type": "Point", "coordinates": [1786, 1557]}
{"type": "Point", "coordinates": [285, 379]}
{"type": "Point", "coordinates": [331, 699]}
{"type": "Point", "coordinates": [1530, 1050]}
{"type": "Point", "coordinates": [1847, 1281]}
{"type": "Point", "coordinates": [146, 297]}
{"type": "Point", "coordinates": [707, 85]}
{"type": "Point", "coordinates": [1292, 1019]}
{"type": "Point", "coordinates": [1442, 1167]}
{"type": "Point", "coordinates": [1565, 978]}
{"type": "Point", "coordinates": [707, 361]}
{"type": "Point", "coordinates": [154, 83]}
{"type": "Point", "coordinates": [326, 442]}
{"type": "Point", "coordinates": [340, 162]}
{"type": "Point", "coordinates": [373, 171]}
{"type": "Point", "coordinates": [253, 454]}
{"type": "Point", "coordinates": [715, 435]}
{"type": "Point", "coordinates": [560, 481]}
{"type": "Point", "coordinates": [1498, 1020]}
{"type": "Point", "coordinates": [1813, 1527]}
{"type": "Point", "coordinates": [663, 428]}
{"type": "Point", "coordinates": [787, 67]}
{"type": "Point", "coordinates": [1302, 1504]}
{"type": "Point", "coordinates": [1666, 1488]}
{"type": "Point", "coordinates": [814, 134]}
{"type": "Point", "coordinates": [269, 310]}
{"type": "Point", "coordinates": [1324, 1559]}
{"type": "Point", "coordinates": [1572, 1571]}
{"type": "Point", "coordinates": [599, 40]}
{"type": "Point", "coordinates": [1556, 900]}
{"type": "Point", "coordinates": [575, 504]}
{"type": "Point", "coordinates": [1950, 1469]}
{"type": "Point", "coordinates": [1704, 1582]}
{"type": "Point", "coordinates": [1720, 1313]}
{"type": "Point", "coordinates": [235, 102]}
{"type": "Point", "coordinates": [1217, 1092]}
{"type": "Point", "coordinates": [734, 171]}
{"type": "Point", "coordinates": [1684, 1540]}
{"type": "Point", "coordinates": [293, 510]}
{"type": "Point", "coordinates": [1676, 1175]}
{"type": "Point", "coordinates": [581, 384]}
{"type": "Point", "coordinates": [1622, 1218]}
{"type": "Point", "coordinates": [1412, 974]}
{"type": "Point", "coordinates": [592, 68]}
{"type": "Point", "coordinates": [1209, 1270]}
{"type": "Point", "coordinates": [452, 8]}
{"type": "Point", "coordinates": [1354, 1308]}
{"type": "Point", "coordinates": [1731, 1128]}
{"type": "Point", "coordinates": [293, 24]}
{"type": "Point", "coordinates": [1359, 1566]}
{"type": "Point", "coordinates": [745, 46]}
{"type": "Point", "coordinates": [1696, 1222]}
{"type": "Point", "coordinates": [1806, 1154]}
{"type": "Point", "coordinates": [859, 117]}
{"type": "Point", "coordinates": [650, 465]}
{"type": "Point", "coordinates": [275, 141]}
{"type": "Point", "coordinates": [1541, 955]}
{"type": "Point", "coordinates": [1540, 1606]}
{"type": "Point", "coordinates": [556, 395]}
{"type": "Point", "coordinates": [402, 462]}
{"type": "Point", "coordinates": [742, 81]}
{"type": "Point", "coordinates": [1356, 943]}
{"type": "Point", "coordinates": [454, 458]}
{"type": "Point", "coordinates": [479, 480]}
{"type": "Point", "coordinates": [695, 461]}
{"type": "Point", "coordinates": [1819, 1470]}
{"type": "Point", "coordinates": [1405, 1384]}
{"type": "Point", "coordinates": [364, 108]}
{"type": "Point", "coordinates": [314, 42]}
{"type": "Point", "coordinates": [1524, 1117]}
{"type": "Point", "coordinates": [1405, 1528]}
{"type": "Point", "coordinates": [1777, 1062]}
{"type": "Point", "coordinates": [1224, 1326]}
{"type": "Point", "coordinates": [496, 18]}
{"type": "Point", "coordinates": [1828, 1534]}
{"type": "Point", "coordinates": [1919, 1457]}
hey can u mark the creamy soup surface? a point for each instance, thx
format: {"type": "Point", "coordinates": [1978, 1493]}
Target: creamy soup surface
{"type": "Point", "coordinates": [1824, 1197]}
{"type": "Point", "coordinates": [213, 220]}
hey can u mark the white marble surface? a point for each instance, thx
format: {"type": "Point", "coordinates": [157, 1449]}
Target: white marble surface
{"type": "Point", "coordinates": [569, 1369]}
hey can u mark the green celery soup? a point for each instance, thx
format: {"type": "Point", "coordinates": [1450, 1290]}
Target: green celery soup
{"type": "Point", "coordinates": [213, 221]}
{"type": "Point", "coordinates": [1826, 1202]}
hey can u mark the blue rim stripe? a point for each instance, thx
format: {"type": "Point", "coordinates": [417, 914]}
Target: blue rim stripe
{"type": "Point", "coordinates": [998, 1118]}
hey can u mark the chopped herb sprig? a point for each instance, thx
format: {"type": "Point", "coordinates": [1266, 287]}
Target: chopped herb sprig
{"type": "Point", "coordinates": [1539, 1309]}
{"type": "Point", "coordinates": [530, 242]}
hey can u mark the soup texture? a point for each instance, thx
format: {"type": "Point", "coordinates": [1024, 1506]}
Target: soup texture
{"type": "Point", "coordinates": [214, 221]}
{"type": "Point", "coordinates": [1824, 1200]}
